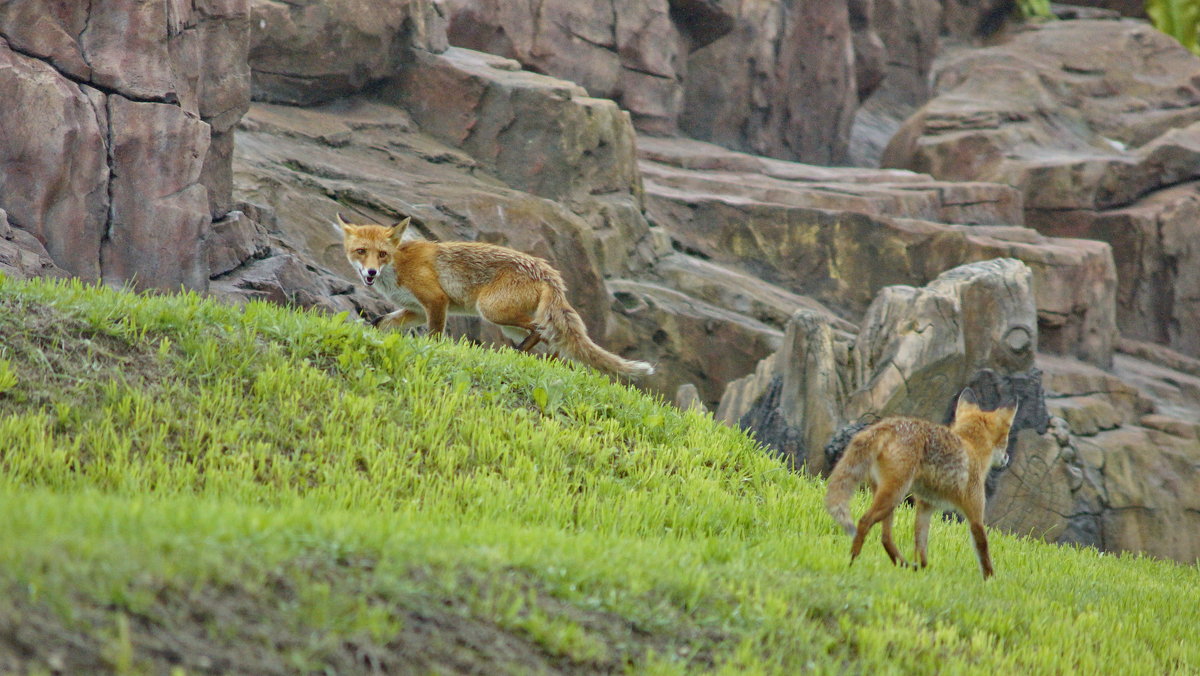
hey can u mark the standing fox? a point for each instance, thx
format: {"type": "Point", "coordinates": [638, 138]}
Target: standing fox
{"type": "Point", "coordinates": [943, 466]}
{"type": "Point", "coordinates": [506, 287]}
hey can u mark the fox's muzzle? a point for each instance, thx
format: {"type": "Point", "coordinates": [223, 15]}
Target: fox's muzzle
{"type": "Point", "coordinates": [369, 276]}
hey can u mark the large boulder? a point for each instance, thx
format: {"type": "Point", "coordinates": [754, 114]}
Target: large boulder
{"type": "Point", "coordinates": [634, 53]}
{"type": "Point", "coordinates": [537, 133]}
{"type": "Point", "coordinates": [782, 83]}
{"type": "Point", "coordinates": [118, 132]}
{"type": "Point", "coordinates": [915, 349]}
{"type": "Point", "coordinates": [313, 51]}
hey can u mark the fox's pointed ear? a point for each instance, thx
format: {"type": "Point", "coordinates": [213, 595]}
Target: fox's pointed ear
{"type": "Point", "coordinates": [343, 225]}
{"type": "Point", "coordinates": [398, 229]}
{"type": "Point", "coordinates": [966, 401]}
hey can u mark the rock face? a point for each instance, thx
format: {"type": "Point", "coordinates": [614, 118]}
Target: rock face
{"type": "Point", "coordinates": [314, 51]}
{"type": "Point", "coordinates": [1038, 112]}
{"type": "Point", "coordinates": [632, 52]}
{"type": "Point", "coordinates": [781, 84]}
{"type": "Point", "coordinates": [118, 132]}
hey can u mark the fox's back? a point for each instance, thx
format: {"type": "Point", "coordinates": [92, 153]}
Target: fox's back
{"type": "Point", "coordinates": [931, 454]}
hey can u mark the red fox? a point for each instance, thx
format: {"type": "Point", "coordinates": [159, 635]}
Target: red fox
{"type": "Point", "coordinates": [522, 294]}
{"type": "Point", "coordinates": [944, 467]}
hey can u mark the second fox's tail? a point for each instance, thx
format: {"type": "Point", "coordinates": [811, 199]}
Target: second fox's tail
{"type": "Point", "coordinates": [846, 476]}
{"type": "Point", "coordinates": [562, 327]}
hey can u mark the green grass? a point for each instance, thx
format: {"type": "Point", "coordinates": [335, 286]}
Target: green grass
{"type": "Point", "coordinates": [192, 486]}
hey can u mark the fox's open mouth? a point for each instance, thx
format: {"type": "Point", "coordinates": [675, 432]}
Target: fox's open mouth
{"type": "Point", "coordinates": [369, 279]}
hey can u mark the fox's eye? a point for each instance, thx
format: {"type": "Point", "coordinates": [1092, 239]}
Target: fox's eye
{"type": "Point", "coordinates": [361, 252]}
{"type": "Point", "coordinates": [383, 255]}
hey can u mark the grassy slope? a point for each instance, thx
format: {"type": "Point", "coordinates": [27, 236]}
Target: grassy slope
{"type": "Point", "coordinates": [195, 486]}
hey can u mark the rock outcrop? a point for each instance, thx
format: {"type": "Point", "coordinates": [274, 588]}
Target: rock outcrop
{"type": "Point", "coordinates": [633, 52]}
{"type": "Point", "coordinates": [1038, 112]}
{"type": "Point", "coordinates": [782, 83]}
{"type": "Point", "coordinates": [118, 132]}
{"type": "Point", "coordinates": [313, 51]}
{"type": "Point", "coordinates": [913, 352]}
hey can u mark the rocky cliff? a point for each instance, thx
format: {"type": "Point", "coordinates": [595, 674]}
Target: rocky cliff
{"type": "Point", "coordinates": [1031, 234]}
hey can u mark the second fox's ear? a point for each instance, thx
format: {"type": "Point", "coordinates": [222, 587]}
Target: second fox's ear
{"type": "Point", "coordinates": [397, 230]}
{"type": "Point", "coordinates": [966, 400]}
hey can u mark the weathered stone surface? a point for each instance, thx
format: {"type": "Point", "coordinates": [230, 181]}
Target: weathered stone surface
{"type": "Point", "coordinates": [55, 173]}
{"type": "Point", "coordinates": [1097, 141]}
{"type": "Point", "coordinates": [781, 84]}
{"type": "Point", "coordinates": [536, 133]}
{"type": "Point", "coordinates": [794, 401]}
{"type": "Point", "coordinates": [784, 232]}
{"type": "Point", "coordinates": [129, 92]}
{"type": "Point", "coordinates": [139, 247]}
{"type": "Point", "coordinates": [22, 256]}
{"type": "Point", "coordinates": [1038, 112]}
{"type": "Point", "coordinates": [918, 347]}
{"type": "Point", "coordinates": [1156, 247]}
{"type": "Point", "coordinates": [312, 51]}
{"type": "Point", "coordinates": [688, 340]}
{"type": "Point", "coordinates": [909, 32]}
{"type": "Point", "coordinates": [631, 52]}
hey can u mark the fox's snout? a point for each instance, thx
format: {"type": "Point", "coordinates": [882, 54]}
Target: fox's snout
{"type": "Point", "coordinates": [369, 276]}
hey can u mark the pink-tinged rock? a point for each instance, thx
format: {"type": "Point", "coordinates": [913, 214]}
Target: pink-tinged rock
{"type": "Point", "coordinates": [537, 133]}
{"type": "Point", "coordinates": [781, 84]}
{"type": "Point", "coordinates": [634, 52]}
{"type": "Point", "coordinates": [159, 207]}
{"type": "Point", "coordinates": [309, 51]}
{"type": "Point", "coordinates": [53, 161]}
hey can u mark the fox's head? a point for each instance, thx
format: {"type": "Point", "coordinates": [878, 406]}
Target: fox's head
{"type": "Point", "coordinates": [371, 247]}
{"type": "Point", "coordinates": [987, 428]}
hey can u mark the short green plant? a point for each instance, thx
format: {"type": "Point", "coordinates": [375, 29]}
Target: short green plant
{"type": "Point", "coordinates": [1178, 18]}
{"type": "Point", "coordinates": [8, 377]}
{"type": "Point", "coordinates": [1034, 8]}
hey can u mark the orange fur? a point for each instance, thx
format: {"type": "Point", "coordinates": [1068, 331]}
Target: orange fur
{"type": "Point", "coordinates": [944, 467]}
{"type": "Point", "coordinates": [504, 286]}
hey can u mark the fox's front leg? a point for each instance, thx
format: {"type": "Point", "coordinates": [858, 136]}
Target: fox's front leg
{"type": "Point", "coordinates": [435, 314]}
{"type": "Point", "coordinates": [974, 515]}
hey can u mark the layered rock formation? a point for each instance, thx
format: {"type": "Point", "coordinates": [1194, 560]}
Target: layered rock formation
{"type": "Point", "coordinates": [118, 138]}
{"type": "Point", "coordinates": [1038, 112]}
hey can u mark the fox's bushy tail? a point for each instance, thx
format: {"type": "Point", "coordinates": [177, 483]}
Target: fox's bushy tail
{"type": "Point", "coordinates": [561, 326]}
{"type": "Point", "coordinates": [846, 476]}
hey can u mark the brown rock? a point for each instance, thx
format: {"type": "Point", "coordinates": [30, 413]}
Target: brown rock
{"type": "Point", "coordinates": [688, 340]}
{"type": "Point", "coordinates": [309, 51]}
{"type": "Point", "coordinates": [631, 52]}
{"type": "Point", "coordinates": [536, 133]}
{"type": "Point", "coordinates": [22, 255]}
{"type": "Point", "coordinates": [54, 180]}
{"type": "Point", "coordinates": [1156, 247]}
{"type": "Point", "coordinates": [159, 207]}
{"type": "Point", "coordinates": [918, 347]}
{"type": "Point", "coordinates": [781, 84]}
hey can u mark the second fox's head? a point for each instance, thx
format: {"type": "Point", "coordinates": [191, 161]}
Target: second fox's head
{"type": "Point", "coordinates": [369, 248]}
{"type": "Point", "coordinates": [988, 429]}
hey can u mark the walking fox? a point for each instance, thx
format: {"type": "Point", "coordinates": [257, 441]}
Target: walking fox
{"type": "Point", "coordinates": [944, 467]}
{"type": "Point", "coordinates": [522, 294]}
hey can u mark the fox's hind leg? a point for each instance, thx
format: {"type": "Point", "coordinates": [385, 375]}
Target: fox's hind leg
{"type": "Point", "coordinates": [887, 496]}
{"type": "Point", "coordinates": [924, 511]}
{"type": "Point", "coordinates": [888, 544]}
